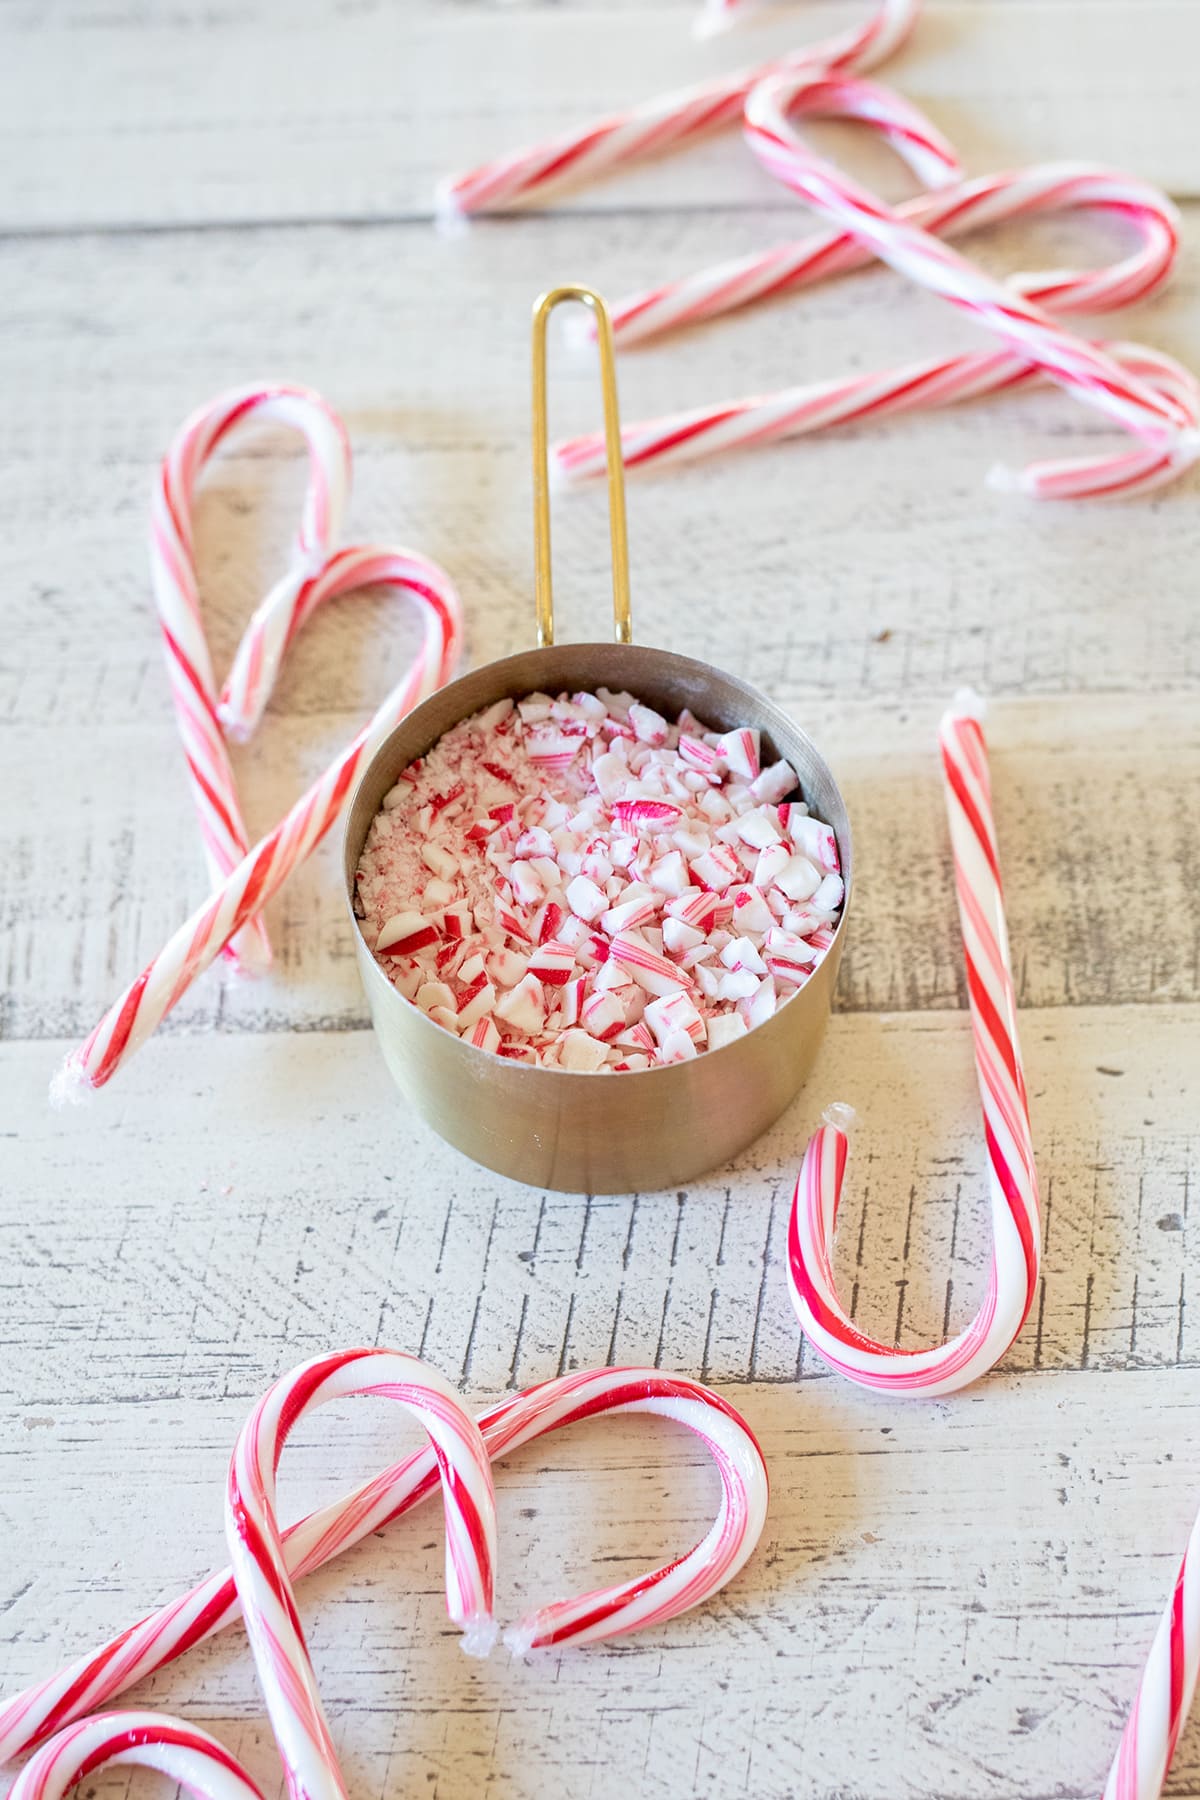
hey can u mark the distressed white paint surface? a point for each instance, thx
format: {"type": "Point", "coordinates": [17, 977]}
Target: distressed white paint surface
{"type": "Point", "coordinates": [950, 1600]}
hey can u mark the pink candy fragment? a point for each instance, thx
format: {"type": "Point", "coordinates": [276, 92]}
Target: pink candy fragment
{"type": "Point", "coordinates": [576, 882]}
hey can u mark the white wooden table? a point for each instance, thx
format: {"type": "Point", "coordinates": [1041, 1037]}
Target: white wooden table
{"type": "Point", "coordinates": [951, 1599]}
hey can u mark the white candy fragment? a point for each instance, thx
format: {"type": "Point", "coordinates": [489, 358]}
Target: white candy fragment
{"type": "Point", "coordinates": [815, 839]}
{"type": "Point", "coordinates": [523, 1007]}
{"type": "Point", "coordinates": [725, 1028]}
{"type": "Point", "coordinates": [485, 1036]}
{"type": "Point", "coordinates": [760, 1006]}
{"type": "Point", "coordinates": [580, 1052]}
{"type": "Point", "coordinates": [404, 934]}
{"type": "Point", "coordinates": [678, 937]}
{"type": "Point", "coordinates": [758, 829]}
{"type": "Point", "coordinates": [586, 900]}
{"type": "Point", "coordinates": [603, 1015]}
{"type": "Point", "coordinates": [434, 994]}
{"type": "Point", "coordinates": [649, 727]}
{"type": "Point", "coordinates": [674, 1012]}
{"type": "Point", "coordinates": [477, 1007]}
{"type": "Point", "coordinates": [440, 860]}
{"type": "Point", "coordinates": [829, 896]}
{"type": "Point", "coordinates": [742, 954]}
{"type": "Point", "coordinates": [774, 784]}
{"type": "Point", "coordinates": [798, 880]}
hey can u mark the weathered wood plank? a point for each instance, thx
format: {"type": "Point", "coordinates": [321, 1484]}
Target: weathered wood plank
{"type": "Point", "coordinates": [886, 1623]}
{"type": "Point", "coordinates": [240, 1202]}
{"type": "Point", "coordinates": [142, 116]}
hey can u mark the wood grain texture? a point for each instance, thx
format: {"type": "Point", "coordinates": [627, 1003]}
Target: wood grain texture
{"type": "Point", "coordinates": [142, 116]}
{"type": "Point", "coordinates": [951, 1600]}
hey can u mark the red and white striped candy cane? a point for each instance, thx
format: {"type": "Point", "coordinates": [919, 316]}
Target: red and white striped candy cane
{"type": "Point", "coordinates": [967, 205]}
{"type": "Point", "coordinates": [1155, 417]}
{"type": "Point", "coordinates": [263, 870]}
{"type": "Point", "coordinates": [661, 1594]}
{"type": "Point", "coordinates": [285, 1670]}
{"type": "Point", "coordinates": [1012, 1177]}
{"type": "Point", "coordinates": [143, 1740]}
{"type": "Point", "coordinates": [665, 122]}
{"type": "Point", "coordinates": [1165, 1692]}
{"type": "Point", "coordinates": [205, 714]}
{"type": "Point", "coordinates": [936, 381]}
{"type": "Point", "coordinates": [650, 1599]}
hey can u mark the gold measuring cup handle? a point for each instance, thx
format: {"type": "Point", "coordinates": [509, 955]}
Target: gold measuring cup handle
{"type": "Point", "coordinates": [622, 617]}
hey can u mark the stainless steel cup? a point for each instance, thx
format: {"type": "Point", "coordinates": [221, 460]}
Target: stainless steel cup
{"type": "Point", "coordinates": [553, 1128]}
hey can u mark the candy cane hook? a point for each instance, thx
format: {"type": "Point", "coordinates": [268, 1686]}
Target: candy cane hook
{"type": "Point", "coordinates": [966, 205]}
{"type": "Point", "coordinates": [260, 1569]}
{"type": "Point", "coordinates": [1016, 1239]}
{"type": "Point", "coordinates": [144, 1740]}
{"type": "Point", "coordinates": [934, 381]}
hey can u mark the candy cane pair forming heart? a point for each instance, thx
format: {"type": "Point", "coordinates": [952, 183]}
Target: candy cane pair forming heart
{"type": "Point", "coordinates": [663, 123]}
{"type": "Point", "coordinates": [1163, 420]}
{"type": "Point", "coordinates": [95, 1680]}
{"type": "Point", "coordinates": [1142, 377]}
{"type": "Point", "coordinates": [247, 876]}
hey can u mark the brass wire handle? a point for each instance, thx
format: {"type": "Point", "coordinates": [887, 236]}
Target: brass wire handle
{"type": "Point", "coordinates": [622, 617]}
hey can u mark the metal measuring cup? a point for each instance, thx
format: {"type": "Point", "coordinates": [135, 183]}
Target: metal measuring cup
{"type": "Point", "coordinates": [555, 1128]}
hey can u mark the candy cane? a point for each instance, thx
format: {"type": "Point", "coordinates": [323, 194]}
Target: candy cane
{"type": "Point", "coordinates": [204, 714]}
{"type": "Point", "coordinates": [1165, 1692]}
{"type": "Point", "coordinates": [937, 381]}
{"type": "Point", "coordinates": [1155, 416]}
{"type": "Point", "coordinates": [1016, 1239]}
{"type": "Point", "coordinates": [966, 206]}
{"type": "Point", "coordinates": [94, 1680]}
{"type": "Point", "coordinates": [670, 120]}
{"type": "Point", "coordinates": [742, 424]}
{"type": "Point", "coordinates": [264, 869]}
{"type": "Point", "coordinates": [145, 1740]}
{"type": "Point", "coordinates": [285, 1670]}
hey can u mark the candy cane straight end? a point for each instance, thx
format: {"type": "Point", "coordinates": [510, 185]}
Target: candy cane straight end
{"type": "Point", "coordinates": [519, 1638]}
{"type": "Point", "coordinates": [71, 1085]}
{"type": "Point", "coordinates": [840, 1116]}
{"type": "Point", "coordinates": [968, 703]}
{"type": "Point", "coordinates": [451, 218]}
{"type": "Point", "coordinates": [479, 1636]}
{"type": "Point", "coordinates": [717, 18]}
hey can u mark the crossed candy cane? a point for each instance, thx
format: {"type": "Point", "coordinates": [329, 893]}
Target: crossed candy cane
{"type": "Point", "coordinates": [247, 876]}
